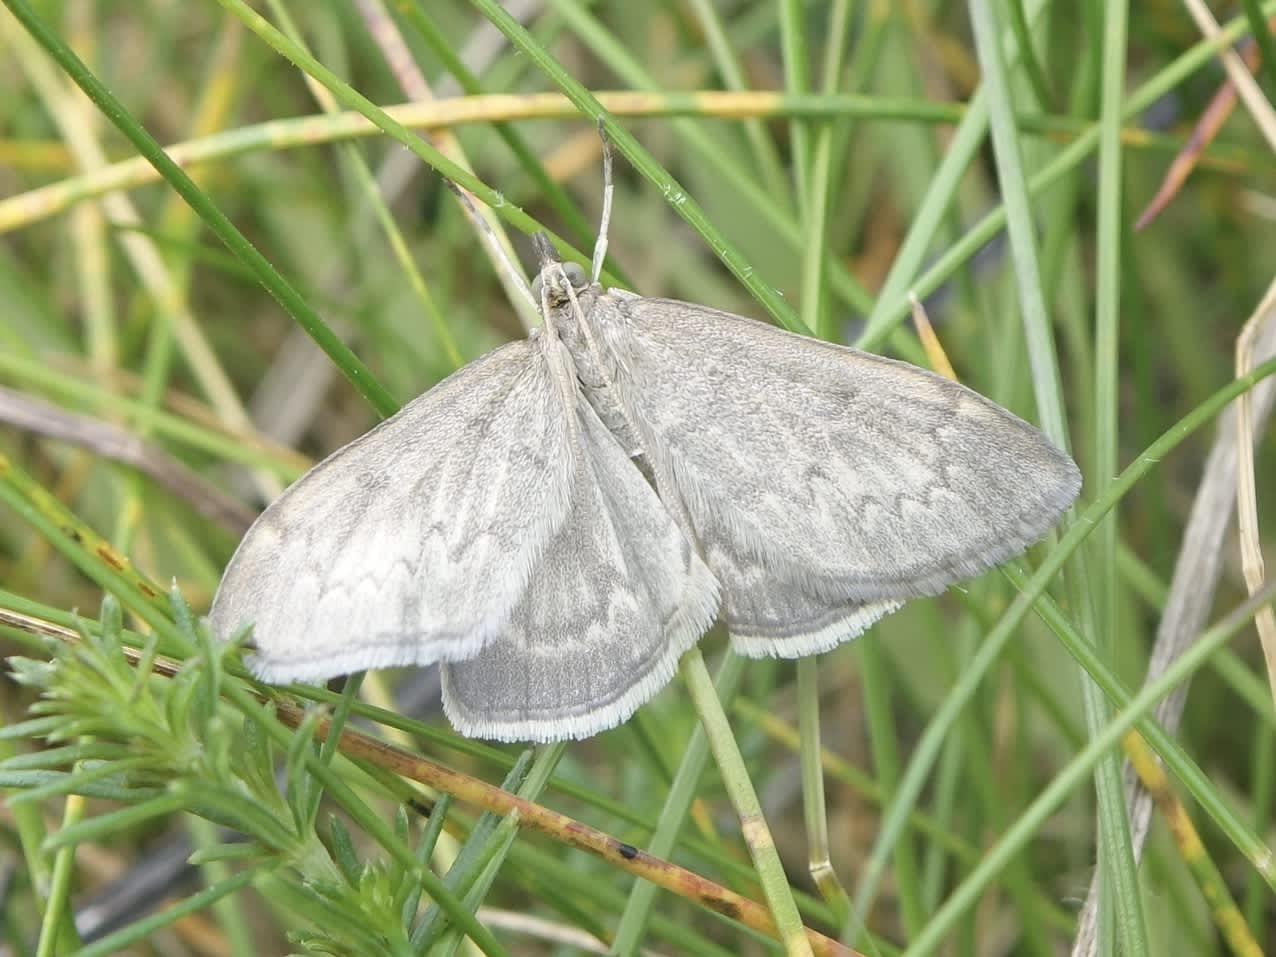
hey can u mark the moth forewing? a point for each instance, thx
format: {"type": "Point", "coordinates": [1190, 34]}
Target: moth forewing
{"type": "Point", "coordinates": [413, 543]}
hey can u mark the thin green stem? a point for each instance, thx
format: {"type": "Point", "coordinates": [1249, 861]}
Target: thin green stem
{"type": "Point", "coordinates": [753, 826]}
{"type": "Point", "coordinates": [57, 929]}
{"type": "Point", "coordinates": [814, 811]}
{"type": "Point", "coordinates": [682, 792]}
{"type": "Point", "coordinates": [1262, 34]}
{"type": "Point", "coordinates": [797, 80]}
{"type": "Point", "coordinates": [143, 929]}
{"type": "Point", "coordinates": [727, 63]}
{"type": "Point", "coordinates": [1120, 899]}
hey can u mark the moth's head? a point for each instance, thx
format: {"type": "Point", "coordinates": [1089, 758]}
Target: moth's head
{"type": "Point", "coordinates": [551, 283]}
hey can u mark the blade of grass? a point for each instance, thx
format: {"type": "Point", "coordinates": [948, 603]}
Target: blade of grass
{"type": "Point", "coordinates": [792, 15]}
{"type": "Point", "coordinates": [1261, 31]}
{"type": "Point", "coordinates": [351, 366]}
{"type": "Point", "coordinates": [765, 156]}
{"type": "Point", "coordinates": [1118, 876]}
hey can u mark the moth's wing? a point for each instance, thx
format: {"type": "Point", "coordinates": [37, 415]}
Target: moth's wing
{"type": "Point", "coordinates": [412, 543]}
{"type": "Point", "coordinates": [774, 612]}
{"type": "Point", "coordinates": [618, 597]}
{"type": "Point", "coordinates": [829, 484]}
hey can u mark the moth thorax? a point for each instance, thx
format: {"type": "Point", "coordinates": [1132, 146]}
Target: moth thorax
{"type": "Point", "coordinates": [575, 324]}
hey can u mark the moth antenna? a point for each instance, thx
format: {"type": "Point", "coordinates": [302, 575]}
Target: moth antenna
{"type": "Point", "coordinates": [544, 250]}
{"type": "Point", "coordinates": [585, 326]}
{"type": "Point", "coordinates": [600, 244]}
{"type": "Point", "coordinates": [512, 272]}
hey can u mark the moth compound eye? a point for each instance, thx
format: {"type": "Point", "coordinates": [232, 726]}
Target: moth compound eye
{"type": "Point", "coordinates": [549, 281]}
